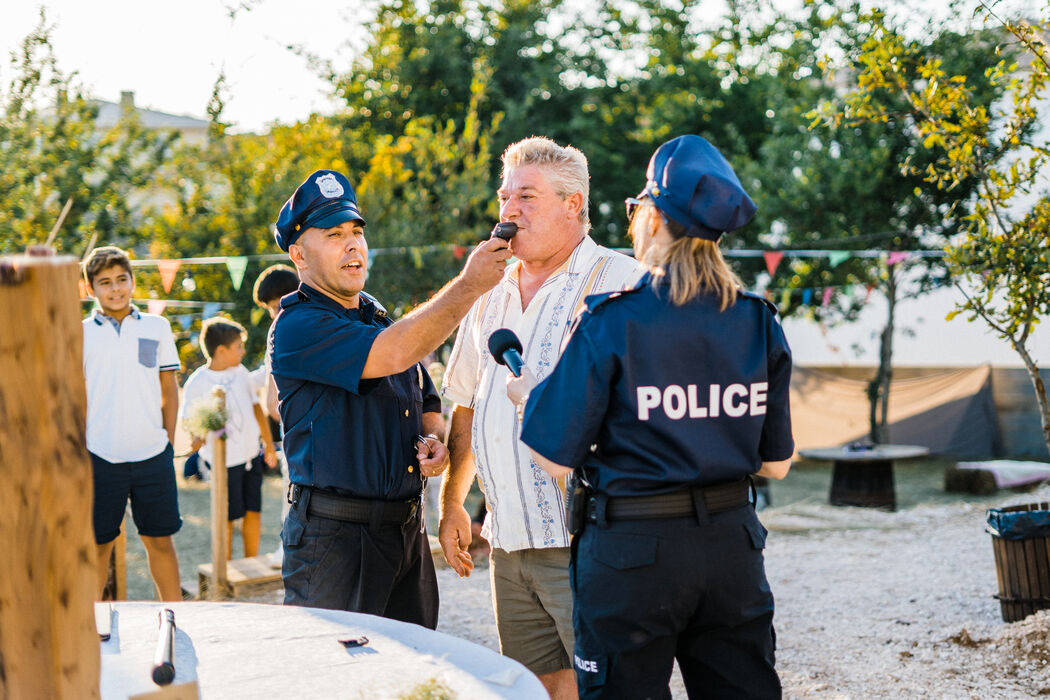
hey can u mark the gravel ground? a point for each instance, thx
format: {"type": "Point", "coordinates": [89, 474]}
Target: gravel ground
{"type": "Point", "coordinates": [869, 604]}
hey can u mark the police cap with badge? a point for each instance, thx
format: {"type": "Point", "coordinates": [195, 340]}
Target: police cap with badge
{"type": "Point", "coordinates": [325, 199]}
{"type": "Point", "coordinates": [694, 185]}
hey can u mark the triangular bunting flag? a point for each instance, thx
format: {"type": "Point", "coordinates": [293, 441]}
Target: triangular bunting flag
{"type": "Point", "coordinates": [236, 265]}
{"type": "Point", "coordinates": [837, 257]}
{"type": "Point", "coordinates": [785, 299]}
{"type": "Point", "coordinates": [807, 296]}
{"type": "Point", "coordinates": [157, 306]}
{"type": "Point", "coordinates": [210, 309]}
{"type": "Point", "coordinates": [185, 320]}
{"type": "Point", "coordinates": [897, 256]}
{"type": "Point", "coordinates": [773, 258]}
{"type": "Point", "coordinates": [458, 252]}
{"type": "Point", "coordinates": [168, 268]}
{"type": "Point", "coordinates": [867, 295]}
{"type": "Point", "coordinates": [828, 291]}
{"type": "Point", "coordinates": [417, 257]}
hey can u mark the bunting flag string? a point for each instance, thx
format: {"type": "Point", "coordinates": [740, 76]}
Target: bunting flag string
{"type": "Point", "coordinates": [773, 258]}
{"type": "Point", "coordinates": [896, 256]}
{"type": "Point", "coordinates": [168, 269]}
{"type": "Point", "coordinates": [837, 257]}
{"type": "Point", "coordinates": [237, 265]}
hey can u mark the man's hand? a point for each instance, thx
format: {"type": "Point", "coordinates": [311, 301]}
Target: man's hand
{"type": "Point", "coordinates": [485, 266]}
{"type": "Point", "coordinates": [270, 456]}
{"type": "Point", "coordinates": [518, 388]}
{"type": "Point", "coordinates": [432, 455]}
{"type": "Point", "coordinates": [454, 536]}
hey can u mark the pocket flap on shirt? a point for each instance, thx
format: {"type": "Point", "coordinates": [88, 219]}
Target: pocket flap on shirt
{"type": "Point", "coordinates": [622, 551]}
{"type": "Point", "coordinates": [148, 352]}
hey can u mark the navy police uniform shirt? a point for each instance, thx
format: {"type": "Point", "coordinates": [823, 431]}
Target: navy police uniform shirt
{"type": "Point", "coordinates": [352, 436]}
{"type": "Point", "coordinates": [669, 396]}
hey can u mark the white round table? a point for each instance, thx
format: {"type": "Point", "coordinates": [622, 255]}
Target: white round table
{"type": "Point", "coordinates": [243, 650]}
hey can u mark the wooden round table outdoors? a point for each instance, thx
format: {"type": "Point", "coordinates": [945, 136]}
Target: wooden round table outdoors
{"type": "Point", "coordinates": [864, 476]}
{"type": "Point", "coordinates": [243, 650]}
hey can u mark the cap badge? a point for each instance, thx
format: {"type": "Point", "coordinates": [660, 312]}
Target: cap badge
{"type": "Point", "coordinates": [329, 186]}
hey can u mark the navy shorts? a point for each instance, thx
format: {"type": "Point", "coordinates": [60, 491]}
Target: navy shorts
{"type": "Point", "coordinates": [244, 489]}
{"type": "Point", "coordinates": [150, 484]}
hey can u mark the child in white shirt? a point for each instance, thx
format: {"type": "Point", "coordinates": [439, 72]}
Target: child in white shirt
{"type": "Point", "coordinates": [222, 342]}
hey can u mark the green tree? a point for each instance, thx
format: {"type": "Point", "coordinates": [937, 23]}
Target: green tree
{"type": "Point", "coordinates": [1000, 261]}
{"type": "Point", "coordinates": [53, 158]}
{"type": "Point", "coordinates": [824, 184]}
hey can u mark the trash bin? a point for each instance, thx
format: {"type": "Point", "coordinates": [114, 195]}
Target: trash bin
{"type": "Point", "coordinates": [1021, 543]}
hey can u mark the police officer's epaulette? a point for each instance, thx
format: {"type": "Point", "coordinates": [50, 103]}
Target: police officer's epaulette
{"type": "Point", "coordinates": [380, 309]}
{"type": "Point", "coordinates": [593, 301]}
{"type": "Point", "coordinates": [759, 297]}
{"type": "Point", "coordinates": [293, 298]}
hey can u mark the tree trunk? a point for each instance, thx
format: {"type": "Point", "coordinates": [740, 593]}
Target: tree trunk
{"type": "Point", "coordinates": [1040, 389]}
{"type": "Point", "coordinates": [879, 386]}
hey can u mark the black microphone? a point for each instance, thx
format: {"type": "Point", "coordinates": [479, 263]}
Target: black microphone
{"type": "Point", "coordinates": [163, 671]}
{"type": "Point", "coordinates": [505, 230]}
{"type": "Point", "coordinates": [506, 348]}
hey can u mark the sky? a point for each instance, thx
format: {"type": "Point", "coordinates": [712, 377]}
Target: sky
{"type": "Point", "coordinates": [169, 54]}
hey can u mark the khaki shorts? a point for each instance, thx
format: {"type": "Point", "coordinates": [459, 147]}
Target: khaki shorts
{"type": "Point", "coordinates": [533, 603]}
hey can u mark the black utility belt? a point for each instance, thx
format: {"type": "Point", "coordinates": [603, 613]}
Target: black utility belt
{"type": "Point", "coordinates": [717, 499]}
{"type": "Point", "coordinates": [353, 510]}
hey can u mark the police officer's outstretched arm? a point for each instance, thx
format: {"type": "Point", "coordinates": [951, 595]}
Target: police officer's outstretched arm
{"type": "Point", "coordinates": [518, 390]}
{"type": "Point", "coordinates": [409, 340]}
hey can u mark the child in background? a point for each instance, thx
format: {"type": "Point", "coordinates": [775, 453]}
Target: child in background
{"type": "Point", "coordinates": [132, 400]}
{"type": "Point", "coordinates": [222, 342]}
{"type": "Point", "coordinates": [273, 283]}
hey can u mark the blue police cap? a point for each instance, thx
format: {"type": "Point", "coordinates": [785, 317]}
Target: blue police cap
{"type": "Point", "coordinates": [692, 183]}
{"type": "Point", "coordinates": [325, 199]}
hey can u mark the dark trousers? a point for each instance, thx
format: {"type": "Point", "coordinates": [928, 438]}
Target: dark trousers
{"type": "Point", "coordinates": [647, 592]}
{"type": "Point", "coordinates": [386, 570]}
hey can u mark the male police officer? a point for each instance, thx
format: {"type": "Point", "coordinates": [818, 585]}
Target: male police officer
{"type": "Point", "coordinates": [361, 417]}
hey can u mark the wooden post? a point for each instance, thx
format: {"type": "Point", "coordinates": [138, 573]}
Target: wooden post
{"type": "Point", "coordinates": [117, 583]}
{"type": "Point", "coordinates": [48, 644]}
{"type": "Point", "coordinates": [219, 511]}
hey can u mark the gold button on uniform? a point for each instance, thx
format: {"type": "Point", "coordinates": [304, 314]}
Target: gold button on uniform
{"type": "Point", "coordinates": [406, 413]}
{"type": "Point", "coordinates": [410, 469]}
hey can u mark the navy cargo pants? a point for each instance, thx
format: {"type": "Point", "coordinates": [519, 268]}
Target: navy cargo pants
{"type": "Point", "coordinates": [646, 592]}
{"type": "Point", "coordinates": [386, 570]}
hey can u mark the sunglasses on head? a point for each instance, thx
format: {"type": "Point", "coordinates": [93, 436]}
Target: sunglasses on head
{"type": "Point", "coordinates": [632, 207]}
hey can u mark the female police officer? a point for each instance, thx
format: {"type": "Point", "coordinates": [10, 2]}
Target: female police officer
{"type": "Point", "coordinates": [667, 397]}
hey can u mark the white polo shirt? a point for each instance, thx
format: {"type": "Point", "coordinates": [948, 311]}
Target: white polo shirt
{"type": "Point", "coordinates": [122, 366]}
{"type": "Point", "coordinates": [526, 506]}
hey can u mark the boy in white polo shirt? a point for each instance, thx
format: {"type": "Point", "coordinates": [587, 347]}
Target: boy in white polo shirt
{"type": "Point", "coordinates": [222, 342]}
{"type": "Point", "coordinates": [130, 362]}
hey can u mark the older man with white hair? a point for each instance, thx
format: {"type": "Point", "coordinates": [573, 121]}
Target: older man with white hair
{"type": "Point", "coordinates": [545, 192]}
